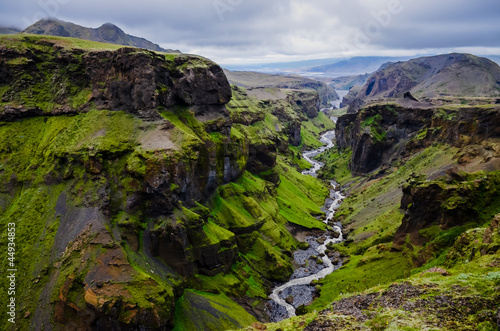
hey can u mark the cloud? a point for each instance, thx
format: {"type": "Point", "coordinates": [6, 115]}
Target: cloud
{"type": "Point", "coordinates": [261, 30]}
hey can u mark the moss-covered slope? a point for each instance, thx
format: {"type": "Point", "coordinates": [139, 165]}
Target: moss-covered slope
{"type": "Point", "coordinates": [421, 219]}
{"type": "Point", "coordinates": [133, 176]}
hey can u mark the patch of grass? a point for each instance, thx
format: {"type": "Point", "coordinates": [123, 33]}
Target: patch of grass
{"type": "Point", "coordinates": [357, 276]}
{"type": "Point", "coordinates": [203, 311]}
{"type": "Point", "coordinates": [336, 165]}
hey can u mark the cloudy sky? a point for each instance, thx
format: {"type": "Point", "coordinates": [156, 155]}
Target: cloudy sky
{"type": "Point", "coordinates": [256, 31]}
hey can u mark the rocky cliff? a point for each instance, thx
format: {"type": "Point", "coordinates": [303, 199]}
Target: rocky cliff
{"type": "Point", "coordinates": [381, 134]}
{"type": "Point", "coordinates": [141, 190]}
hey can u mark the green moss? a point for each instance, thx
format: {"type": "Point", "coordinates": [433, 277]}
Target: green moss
{"type": "Point", "coordinates": [372, 120]}
{"type": "Point", "coordinates": [81, 98]}
{"type": "Point", "coordinates": [216, 234]}
{"type": "Point", "coordinates": [203, 311]}
{"type": "Point", "coordinates": [357, 276]}
{"type": "Point", "coordinates": [20, 41]}
{"type": "Point", "coordinates": [336, 165]}
{"type": "Point", "coordinates": [32, 212]}
{"type": "Point", "coordinates": [376, 131]}
{"type": "Point", "coordinates": [268, 260]}
{"type": "Point", "coordinates": [446, 114]}
{"type": "Point", "coordinates": [300, 197]}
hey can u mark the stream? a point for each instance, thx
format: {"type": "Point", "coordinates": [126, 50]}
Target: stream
{"type": "Point", "coordinates": [314, 263]}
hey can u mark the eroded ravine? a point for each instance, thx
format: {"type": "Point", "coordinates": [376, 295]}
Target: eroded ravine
{"type": "Point", "coordinates": [298, 290]}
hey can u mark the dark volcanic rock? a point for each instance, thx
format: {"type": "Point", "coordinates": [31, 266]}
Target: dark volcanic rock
{"type": "Point", "coordinates": [306, 102]}
{"type": "Point", "coordinates": [377, 134]}
{"type": "Point", "coordinates": [380, 134]}
{"type": "Point", "coordinates": [127, 79]}
{"type": "Point", "coordinates": [446, 205]}
{"type": "Point", "coordinates": [294, 129]}
{"type": "Point", "coordinates": [408, 95]}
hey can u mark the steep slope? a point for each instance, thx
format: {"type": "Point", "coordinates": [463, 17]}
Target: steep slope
{"type": "Point", "coordinates": [107, 33]}
{"type": "Point", "coordinates": [143, 189]}
{"type": "Point", "coordinates": [452, 75]}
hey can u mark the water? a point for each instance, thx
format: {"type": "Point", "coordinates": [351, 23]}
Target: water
{"type": "Point", "coordinates": [299, 287]}
{"type": "Point", "coordinates": [342, 94]}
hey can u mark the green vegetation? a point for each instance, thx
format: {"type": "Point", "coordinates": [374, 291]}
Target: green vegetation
{"type": "Point", "coordinates": [336, 165]}
{"type": "Point", "coordinates": [361, 273]}
{"type": "Point", "coordinates": [202, 311]}
{"type": "Point", "coordinates": [12, 40]}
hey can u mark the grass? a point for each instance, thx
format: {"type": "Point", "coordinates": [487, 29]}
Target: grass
{"type": "Point", "coordinates": [361, 273]}
{"type": "Point", "coordinates": [14, 39]}
{"type": "Point", "coordinates": [203, 311]}
{"type": "Point", "coordinates": [336, 165]}
{"type": "Point", "coordinates": [372, 198]}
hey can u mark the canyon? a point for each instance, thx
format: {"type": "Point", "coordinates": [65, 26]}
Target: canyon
{"type": "Point", "coordinates": [150, 193]}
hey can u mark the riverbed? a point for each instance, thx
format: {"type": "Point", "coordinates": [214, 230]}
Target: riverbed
{"type": "Point", "coordinates": [317, 261]}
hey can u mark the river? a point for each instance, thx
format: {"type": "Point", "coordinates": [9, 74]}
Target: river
{"type": "Point", "coordinates": [299, 291]}
{"type": "Point", "coordinates": [341, 94]}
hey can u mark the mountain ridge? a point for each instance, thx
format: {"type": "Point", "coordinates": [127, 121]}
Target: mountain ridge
{"type": "Point", "coordinates": [445, 75]}
{"type": "Point", "coordinates": [107, 33]}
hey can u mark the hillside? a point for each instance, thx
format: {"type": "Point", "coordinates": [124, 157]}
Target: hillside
{"type": "Point", "coordinates": [421, 217]}
{"type": "Point", "coordinates": [448, 75]}
{"type": "Point", "coordinates": [348, 82]}
{"type": "Point", "coordinates": [141, 190]}
{"type": "Point", "coordinates": [107, 33]}
{"type": "Point", "coordinates": [256, 80]}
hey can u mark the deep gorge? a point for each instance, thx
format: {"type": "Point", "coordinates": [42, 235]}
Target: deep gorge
{"type": "Point", "coordinates": [149, 193]}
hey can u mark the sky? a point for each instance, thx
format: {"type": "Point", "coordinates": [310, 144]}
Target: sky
{"type": "Point", "coordinates": [264, 31]}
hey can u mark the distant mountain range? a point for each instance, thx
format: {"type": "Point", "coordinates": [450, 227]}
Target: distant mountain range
{"type": "Point", "coordinates": [357, 65]}
{"type": "Point", "coordinates": [4, 30]}
{"type": "Point", "coordinates": [107, 33]}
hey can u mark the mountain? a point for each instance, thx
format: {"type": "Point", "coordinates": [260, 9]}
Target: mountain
{"type": "Point", "coordinates": [257, 80]}
{"type": "Point", "coordinates": [107, 33]}
{"type": "Point", "coordinates": [4, 30]}
{"type": "Point", "coordinates": [356, 65]}
{"type": "Point", "coordinates": [447, 75]}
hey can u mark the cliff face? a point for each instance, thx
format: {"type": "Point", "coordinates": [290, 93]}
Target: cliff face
{"type": "Point", "coordinates": [128, 79]}
{"type": "Point", "coordinates": [133, 176]}
{"type": "Point", "coordinates": [456, 201]}
{"type": "Point", "coordinates": [381, 134]}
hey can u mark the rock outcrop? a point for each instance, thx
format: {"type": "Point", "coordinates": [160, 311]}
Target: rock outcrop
{"type": "Point", "coordinates": [377, 135]}
{"type": "Point", "coordinates": [460, 200]}
{"type": "Point", "coordinates": [128, 79]}
{"type": "Point", "coordinates": [381, 134]}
